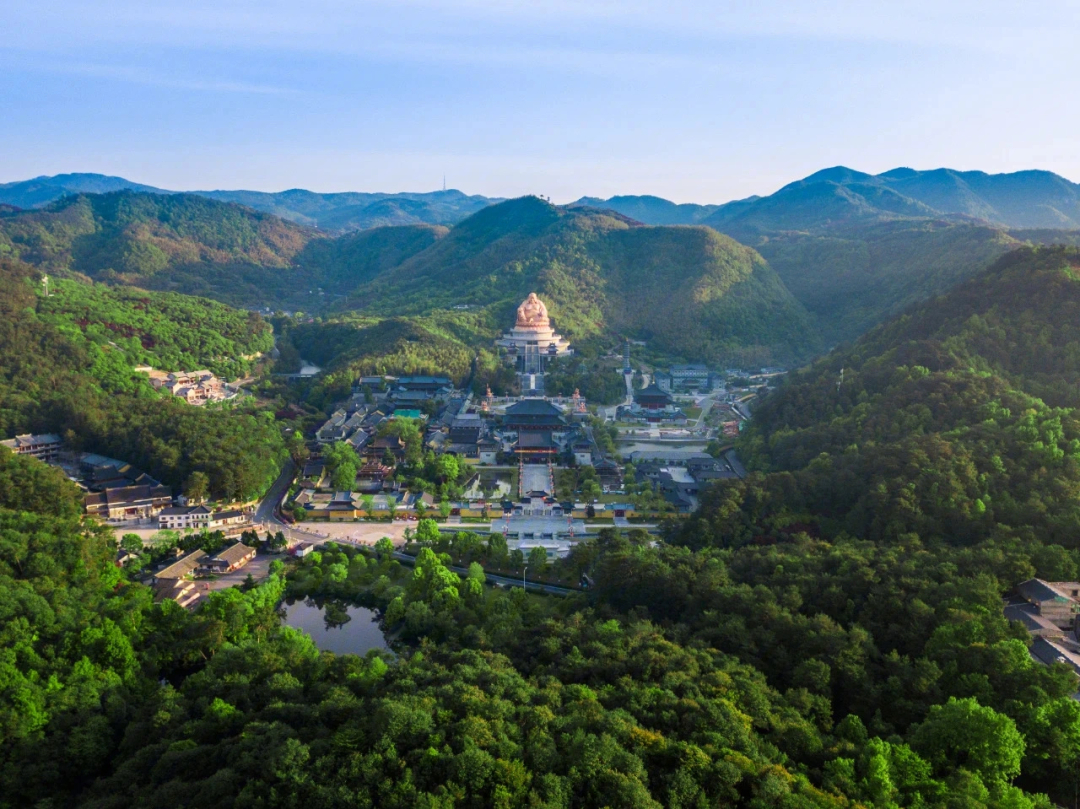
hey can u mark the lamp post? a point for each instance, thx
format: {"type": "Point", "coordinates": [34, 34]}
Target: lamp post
{"type": "Point", "coordinates": [523, 569]}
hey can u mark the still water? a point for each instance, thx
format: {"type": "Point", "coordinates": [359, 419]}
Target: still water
{"type": "Point", "coordinates": [625, 448]}
{"type": "Point", "coordinates": [356, 635]}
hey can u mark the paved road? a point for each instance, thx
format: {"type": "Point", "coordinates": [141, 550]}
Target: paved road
{"type": "Point", "coordinates": [265, 511]}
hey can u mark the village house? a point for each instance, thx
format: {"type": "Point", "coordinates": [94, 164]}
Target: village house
{"type": "Point", "coordinates": [173, 581]}
{"type": "Point", "coordinates": [609, 473]}
{"type": "Point", "coordinates": [181, 568]}
{"type": "Point", "coordinates": [1048, 610]}
{"type": "Point", "coordinates": [232, 558]}
{"type": "Point", "coordinates": [183, 591]}
{"type": "Point", "coordinates": [1056, 602]}
{"type": "Point", "coordinates": [341, 427]}
{"type": "Point", "coordinates": [314, 474]}
{"type": "Point", "coordinates": [392, 443]}
{"type": "Point", "coordinates": [194, 387]}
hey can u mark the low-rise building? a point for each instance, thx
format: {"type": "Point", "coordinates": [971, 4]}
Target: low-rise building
{"type": "Point", "coordinates": [232, 558]}
{"type": "Point", "coordinates": [194, 387]}
{"type": "Point", "coordinates": [1057, 602]}
{"type": "Point", "coordinates": [691, 376]}
{"type": "Point", "coordinates": [202, 518]}
{"type": "Point", "coordinates": [128, 502]}
{"type": "Point", "coordinates": [183, 591]}
{"type": "Point", "coordinates": [181, 568]}
{"type": "Point", "coordinates": [45, 446]}
{"type": "Point", "coordinates": [487, 450]}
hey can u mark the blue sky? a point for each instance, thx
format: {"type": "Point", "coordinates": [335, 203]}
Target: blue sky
{"type": "Point", "coordinates": [693, 101]}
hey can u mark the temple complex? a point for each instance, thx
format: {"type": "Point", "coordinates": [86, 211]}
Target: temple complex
{"type": "Point", "coordinates": [532, 342]}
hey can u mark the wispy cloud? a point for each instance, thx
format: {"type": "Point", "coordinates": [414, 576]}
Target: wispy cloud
{"type": "Point", "coordinates": [140, 75]}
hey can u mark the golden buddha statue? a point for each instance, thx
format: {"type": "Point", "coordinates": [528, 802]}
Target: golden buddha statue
{"type": "Point", "coordinates": [532, 314]}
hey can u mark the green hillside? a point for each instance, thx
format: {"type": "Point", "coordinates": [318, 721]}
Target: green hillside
{"type": "Point", "coordinates": [166, 330]}
{"type": "Point", "coordinates": [650, 210]}
{"type": "Point", "coordinates": [175, 242]}
{"type": "Point", "coordinates": [852, 278]}
{"type": "Point", "coordinates": [690, 292]}
{"type": "Point", "coordinates": [968, 399]}
{"type": "Point", "coordinates": [443, 343]}
{"type": "Point", "coordinates": [342, 263]}
{"type": "Point", "coordinates": [816, 205]}
{"type": "Point", "coordinates": [894, 506]}
{"type": "Point", "coordinates": [66, 367]}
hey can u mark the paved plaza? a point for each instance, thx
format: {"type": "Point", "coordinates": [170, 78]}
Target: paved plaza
{"type": "Point", "coordinates": [535, 478]}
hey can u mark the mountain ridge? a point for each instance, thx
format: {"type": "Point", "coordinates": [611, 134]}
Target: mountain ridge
{"type": "Point", "coordinates": [335, 211]}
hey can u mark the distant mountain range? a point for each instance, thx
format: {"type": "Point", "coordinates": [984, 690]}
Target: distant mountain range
{"type": "Point", "coordinates": [833, 197]}
{"type": "Point", "coordinates": [839, 195]}
{"type": "Point", "coordinates": [334, 212]}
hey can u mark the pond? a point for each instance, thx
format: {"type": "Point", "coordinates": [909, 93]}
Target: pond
{"type": "Point", "coordinates": [350, 630]}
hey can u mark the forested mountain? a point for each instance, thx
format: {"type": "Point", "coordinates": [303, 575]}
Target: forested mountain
{"type": "Point", "coordinates": [854, 248]}
{"type": "Point", "coordinates": [176, 242]}
{"type": "Point", "coordinates": [603, 273]}
{"type": "Point", "coordinates": [909, 481]}
{"type": "Point", "coordinates": [358, 211]}
{"type": "Point", "coordinates": [851, 278]}
{"type": "Point", "coordinates": [334, 212]}
{"type": "Point", "coordinates": [975, 389]}
{"type": "Point", "coordinates": [66, 367]}
{"type": "Point", "coordinates": [199, 246]}
{"type": "Point", "coordinates": [1022, 199]}
{"type": "Point", "coordinates": [690, 292]}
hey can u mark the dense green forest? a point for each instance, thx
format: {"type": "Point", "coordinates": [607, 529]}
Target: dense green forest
{"type": "Point", "coordinates": [446, 342]}
{"type": "Point", "coordinates": [168, 331]}
{"type": "Point", "coordinates": [54, 376]}
{"type": "Point", "coordinates": [800, 672]}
